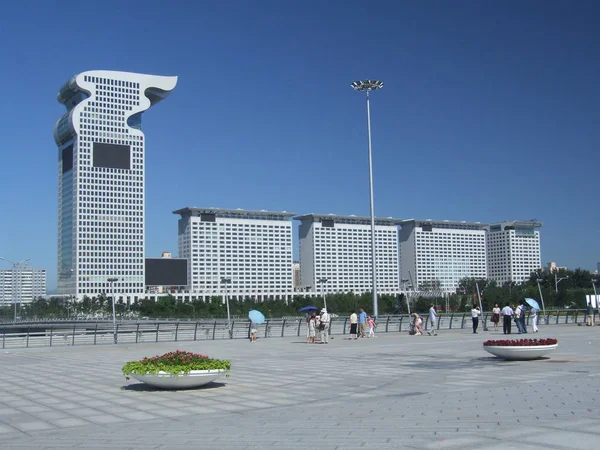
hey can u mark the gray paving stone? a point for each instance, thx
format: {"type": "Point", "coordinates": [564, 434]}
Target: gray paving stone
{"type": "Point", "coordinates": [392, 392]}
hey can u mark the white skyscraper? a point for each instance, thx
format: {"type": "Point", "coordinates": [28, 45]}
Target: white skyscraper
{"type": "Point", "coordinates": [21, 284]}
{"type": "Point", "coordinates": [338, 249]}
{"type": "Point", "coordinates": [513, 251]}
{"type": "Point", "coordinates": [248, 254]}
{"type": "Point", "coordinates": [437, 254]}
{"type": "Point", "coordinates": [101, 181]}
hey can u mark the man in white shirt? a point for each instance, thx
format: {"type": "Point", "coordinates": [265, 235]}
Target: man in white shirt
{"type": "Point", "coordinates": [520, 319]}
{"type": "Point", "coordinates": [325, 319]}
{"type": "Point", "coordinates": [433, 320]}
{"type": "Point", "coordinates": [507, 313]}
{"type": "Point", "coordinates": [353, 325]}
{"type": "Point", "coordinates": [475, 317]}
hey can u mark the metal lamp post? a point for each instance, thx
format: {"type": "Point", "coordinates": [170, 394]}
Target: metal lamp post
{"type": "Point", "coordinates": [322, 282]}
{"type": "Point", "coordinates": [485, 328]}
{"type": "Point", "coordinates": [558, 280]}
{"type": "Point", "coordinates": [16, 282]}
{"type": "Point", "coordinates": [227, 281]}
{"type": "Point", "coordinates": [112, 282]}
{"type": "Point", "coordinates": [406, 294]}
{"type": "Point", "coordinates": [368, 86]}
{"type": "Point", "coordinates": [539, 281]}
{"type": "Point", "coordinates": [594, 281]}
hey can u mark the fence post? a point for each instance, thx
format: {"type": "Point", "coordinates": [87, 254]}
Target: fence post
{"type": "Point", "coordinates": [195, 330]}
{"type": "Point", "coordinates": [117, 333]}
{"type": "Point", "coordinates": [3, 338]}
{"type": "Point", "coordinates": [387, 324]}
{"type": "Point", "coordinates": [157, 327]}
{"type": "Point", "coordinates": [176, 331]}
{"type": "Point", "coordinates": [557, 316]}
{"type": "Point", "coordinates": [299, 325]}
{"type": "Point", "coordinates": [451, 319]}
{"type": "Point", "coordinates": [462, 324]}
{"type": "Point", "coordinates": [345, 323]}
{"type": "Point", "coordinates": [282, 327]}
{"type": "Point", "coordinates": [230, 331]}
{"type": "Point", "coordinates": [214, 329]}
{"type": "Point", "coordinates": [576, 314]}
{"type": "Point", "coordinates": [266, 328]}
{"type": "Point", "coordinates": [51, 334]}
{"type": "Point", "coordinates": [400, 324]}
{"type": "Point", "coordinates": [27, 344]}
{"type": "Point", "coordinates": [73, 337]}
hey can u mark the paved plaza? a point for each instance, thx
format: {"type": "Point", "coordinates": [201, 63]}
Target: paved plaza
{"type": "Point", "coordinates": [393, 391]}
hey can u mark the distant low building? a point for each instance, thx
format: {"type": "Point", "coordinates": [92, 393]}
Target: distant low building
{"type": "Point", "coordinates": [552, 267]}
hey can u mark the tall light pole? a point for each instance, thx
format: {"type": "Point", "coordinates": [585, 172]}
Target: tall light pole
{"type": "Point", "coordinates": [539, 281]}
{"type": "Point", "coordinates": [594, 281]}
{"type": "Point", "coordinates": [406, 294]}
{"type": "Point", "coordinates": [226, 281]}
{"type": "Point", "coordinates": [17, 288]}
{"type": "Point", "coordinates": [322, 282]}
{"type": "Point", "coordinates": [558, 280]}
{"type": "Point", "coordinates": [368, 86]}
{"type": "Point", "coordinates": [112, 282]}
{"type": "Point", "coordinates": [485, 328]}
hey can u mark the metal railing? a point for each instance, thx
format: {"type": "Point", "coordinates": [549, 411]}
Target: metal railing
{"type": "Point", "coordinates": [129, 332]}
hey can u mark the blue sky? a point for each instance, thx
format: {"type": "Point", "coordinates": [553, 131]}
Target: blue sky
{"type": "Point", "coordinates": [490, 111]}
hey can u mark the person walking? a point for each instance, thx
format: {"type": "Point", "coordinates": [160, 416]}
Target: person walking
{"type": "Point", "coordinates": [507, 316]}
{"type": "Point", "coordinates": [362, 323]}
{"type": "Point", "coordinates": [534, 319]}
{"type": "Point", "coordinates": [433, 320]}
{"type": "Point", "coordinates": [496, 316]}
{"type": "Point", "coordinates": [371, 324]}
{"type": "Point", "coordinates": [353, 325]}
{"type": "Point", "coordinates": [520, 319]}
{"type": "Point", "coordinates": [475, 312]}
{"type": "Point", "coordinates": [325, 319]}
{"type": "Point", "coordinates": [589, 318]}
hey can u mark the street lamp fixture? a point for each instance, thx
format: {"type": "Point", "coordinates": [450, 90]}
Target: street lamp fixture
{"type": "Point", "coordinates": [226, 281]}
{"type": "Point", "coordinates": [112, 282]}
{"type": "Point", "coordinates": [322, 282]}
{"type": "Point", "coordinates": [16, 282]}
{"type": "Point", "coordinates": [368, 86]}
{"type": "Point", "coordinates": [539, 281]}
{"type": "Point", "coordinates": [556, 281]}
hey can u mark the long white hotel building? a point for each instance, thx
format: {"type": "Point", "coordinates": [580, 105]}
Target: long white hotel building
{"type": "Point", "coordinates": [101, 181]}
{"type": "Point", "coordinates": [442, 252]}
{"type": "Point", "coordinates": [243, 254]}
{"type": "Point", "coordinates": [338, 249]}
{"type": "Point", "coordinates": [513, 249]}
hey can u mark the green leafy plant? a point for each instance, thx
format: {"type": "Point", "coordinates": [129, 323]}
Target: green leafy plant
{"type": "Point", "coordinates": [176, 363]}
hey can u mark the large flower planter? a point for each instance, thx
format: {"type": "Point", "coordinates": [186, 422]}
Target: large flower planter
{"type": "Point", "coordinates": [193, 379]}
{"type": "Point", "coordinates": [523, 353]}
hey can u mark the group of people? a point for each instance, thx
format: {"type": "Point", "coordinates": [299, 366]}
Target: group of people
{"type": "Point", "coordinates": [318, 322]}
{"type": "Point", "coordinates": [517, 314]}
{"type": "Point", "coordinates": [318, 326]}
{"type": "Point", "coordinates": [359, 324]}
{"type": "Point", "coordinates": [417, 323]}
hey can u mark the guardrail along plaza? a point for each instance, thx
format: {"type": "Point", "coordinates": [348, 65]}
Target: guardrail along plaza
{"type": "Point", "coordinates": [50, 334]}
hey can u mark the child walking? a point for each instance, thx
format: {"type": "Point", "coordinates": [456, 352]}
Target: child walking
{"type": "Point", "coordinates": [371, 324]}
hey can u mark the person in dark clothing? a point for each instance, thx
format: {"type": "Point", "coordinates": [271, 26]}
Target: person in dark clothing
{"type": "Point", "coordinates": [507, 314]}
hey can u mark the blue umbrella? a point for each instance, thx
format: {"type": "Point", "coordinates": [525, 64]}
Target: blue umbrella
{"type": "Point", "coordinates": [256, 316]}
{"type": "Point", "coordinates": [531, 302]}
{"type": "Point", "coordinates": [309, 309]}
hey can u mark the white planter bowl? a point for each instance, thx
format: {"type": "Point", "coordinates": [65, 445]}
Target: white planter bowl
{"type": "Point", "coordinates": [519, 353]}
{"type": "Point", "coordinates": [195, 378]}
